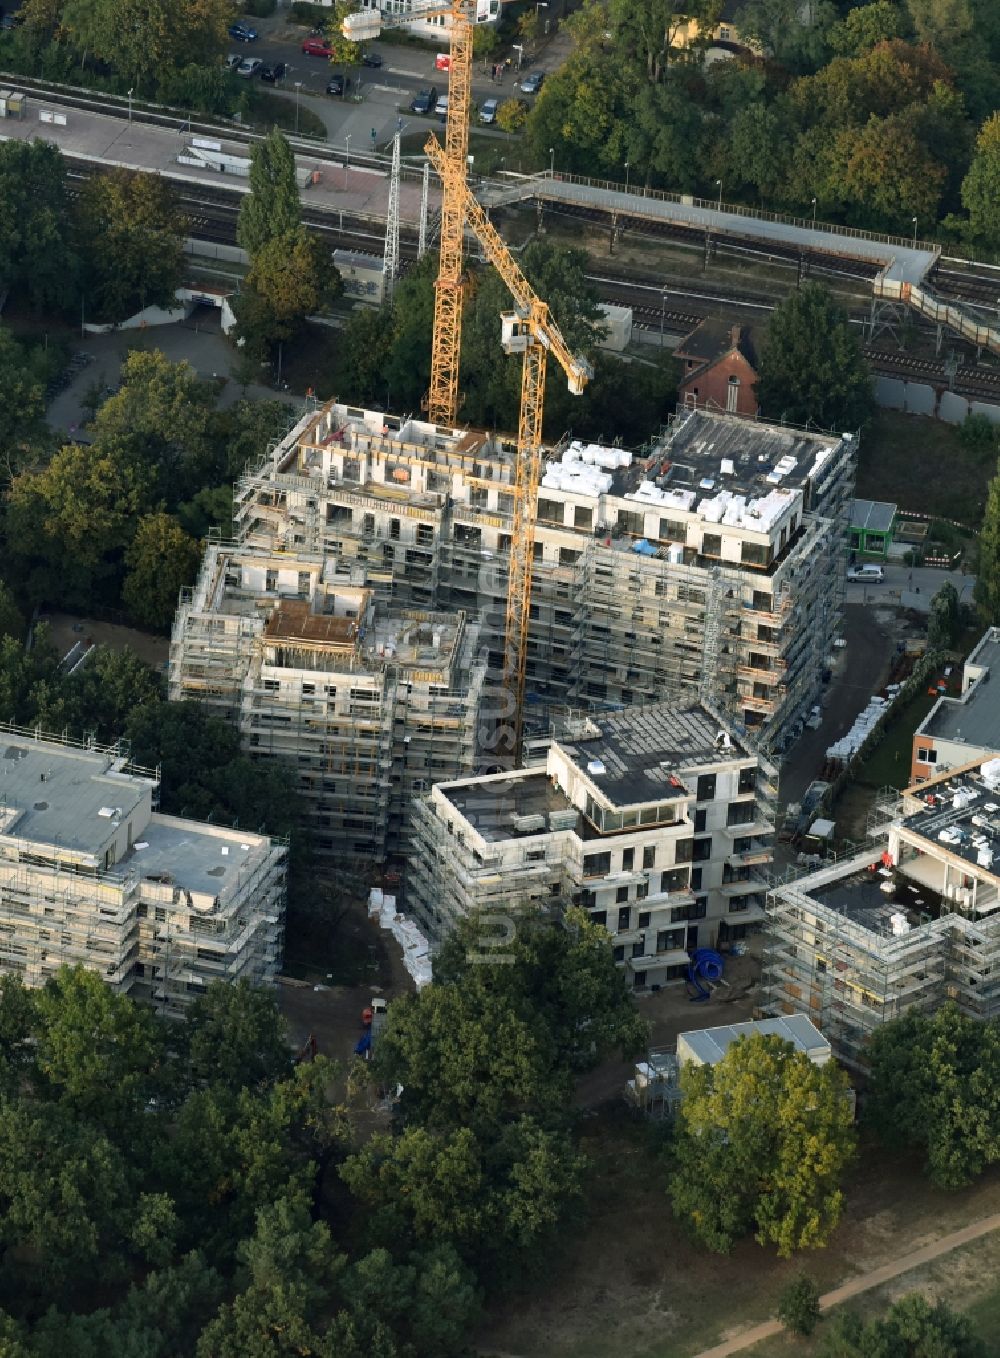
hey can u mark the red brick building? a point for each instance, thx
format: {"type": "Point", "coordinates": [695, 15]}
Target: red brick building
{"type": "Point", "coordinates": [718, 369]}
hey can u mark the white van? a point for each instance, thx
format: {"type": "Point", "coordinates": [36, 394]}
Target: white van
{"type": "Point", "coordinates": [866, 575]}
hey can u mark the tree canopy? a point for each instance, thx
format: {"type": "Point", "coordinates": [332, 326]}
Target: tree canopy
{"type": "Point", "coordinates": [935, 1087]}
{"type": "Point", "coordinates": [763, 1139]}
{"type": "Point", "coordinates": [811, 366]}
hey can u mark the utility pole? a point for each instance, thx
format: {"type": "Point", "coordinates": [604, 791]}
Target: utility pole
{"type": "Point", "coordinates": [391, 256]}
{"type": "Point", "coordinates": [425, 189]}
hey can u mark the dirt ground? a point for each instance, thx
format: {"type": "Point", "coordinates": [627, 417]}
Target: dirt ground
{"type": "Point", "coordinates": [67, 630]}
{"type": "Point", "coordinates": [332, 1013]}
{"type": "Point", "coordinates": [671, 1011]}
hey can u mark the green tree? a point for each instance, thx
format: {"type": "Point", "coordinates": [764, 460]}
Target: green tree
{"type": "Point", "coordinates": [763, 1139]}
{"type": "Point", "coordinates": [22, 393]}
{"type": "Point", "coordinates": [363, 352]}
{"type": "Point", "coordinates": [811, 366]}
{"type": "Point", "coordinates": [643, 34]}
{"type": "Point", "coordinates": [798, 1305]}
{"type": "Point", "coordinates": [271, 210]}
{"type": "Point", "coordinates": [131, 234]}
{"type": "Point", "coordinates": [289, 279]}
{"type": "Point", "coordinates": [36, 249]}
{"type": "Point", "coordinates": [912, 1328]}
{"type": "Point", "coordinates": [68, 523]}
{"type": "Point", "coordinates": [987, 588]}
{"type": "Point", "coordinates": [757, 149]}
{"type": "Point", "coordinates": [144, 39]}
{"type": "Point", "coordinates": [159, 560]}
{"type": "Point", "coordinates": [12, 623]}
{"type": "Point", "coordinates": [234, 1036]}
{"type": "Point", "coordinates": [512, 115]}
{"type": "Point", "coordinates": [981, 186]}
{"type": "Point", "coordinates": [864, 28]}
{"type": "Point", "coordinates": [343, 52]}
{"type": "Point", "coordinates": [943, 619]}
{"type": "Point", "coordinates": [100, 696]}
{"type": "Point", "coordinates": [779, 27]}
{"type": "Point", "coordinates": [942, 24]}
{"type": "Point", "coordinates": [935, 1087]}
{"type": "Point", "coordinates": [97, 1052]}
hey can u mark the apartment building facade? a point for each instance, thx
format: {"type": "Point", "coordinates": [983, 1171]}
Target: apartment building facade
{"type": "Point", "coordinates": [910, 923]}
{"type": "Point", "coordinates": [710, 566]}
{"type": "Point", "coordinates": [92, 874]}
{"type": "Point", "coordinates": [959, 730]}
{"type": "Point", "coordinates": [369, 704]}
{"type": "Point", "coordinates": [656, 820]}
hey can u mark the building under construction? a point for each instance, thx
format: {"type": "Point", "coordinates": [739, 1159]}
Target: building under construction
{"type": "Point", "coordinates": [656, 820]}
{"type": "Point", "coordinates": [92, 875]}
{"type": "Point", "coordinates": [909, 924]}
{"type": "Point", "coordinates": [370, 704]}
{"type": "Point", "coordinates": [710, 565]}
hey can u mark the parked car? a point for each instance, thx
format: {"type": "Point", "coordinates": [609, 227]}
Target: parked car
{"type": "Point", "coordinates": [532, 83]}
{"type": "Point", "coordinates": [441, 108]}
{"type": "Point", "coordinates": [243, 32]}
{"type": "Point", "coordinates": [371, 59]}
{"type": "Point", "coordinates": [870, 574]}
{"type": "Point", "coordinates": [488, 111]}
{"type": "Point", "coordinates": [249, 67]}
{"type": "Point", "coordinates": [337, 83]}
{"type": "Point", "coordinates": [425, 101]}
{"type": "Point", "coordinates": [272, 71]}
{"type": "Point", "coordinates": [316, 47]}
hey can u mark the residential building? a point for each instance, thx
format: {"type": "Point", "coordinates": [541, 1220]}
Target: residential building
{"type": "Point", "coordinates": [657, 820]}
{"type": "Point", "coordinates": [486, 11]}
{"type": "Point", "coordinates": [908, 924]}
{"type": "Point", "coordinates": [718, 369]}
{"type": "Point", "coordinates": [92, 874]}
{"type": "Point", "coordinates": [369, 704]}
{"type": "Point", "coordinates": [959, 730]}
{"type": "Point", "coordinates": [872, 526]}
{"type": "Point", "coordinates": [709, 565]}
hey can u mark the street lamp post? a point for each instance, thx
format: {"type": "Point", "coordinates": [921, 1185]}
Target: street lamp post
{"type": "Point", "coordinates": [347, 157]}
{"type": "Point", "coordinates": [719, 185]}
{"type": "Point", "coordinates": [130, 108]}
{"type": "Point", "coordinates": [626, 176]}
{"type": "Point", "coordinates": [298, 86]}
{"type": "Point", "coordinates": [552, 162]}
{"type": "Point", "coordinates": [914, 233]}
{"type": "Point", "coordinates": [814, 212]}
{"type": "Point", "coordinates": [663, 308]}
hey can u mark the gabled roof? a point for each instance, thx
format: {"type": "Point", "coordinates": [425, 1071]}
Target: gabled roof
{"type": "Point", "coordinates": [713, 339]}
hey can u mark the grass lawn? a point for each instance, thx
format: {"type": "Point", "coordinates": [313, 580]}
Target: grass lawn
{"type": "Point", "coordinates": [889, 765]}
{"type": "Point", "coordinates": [920, 464]}
{"type": "Point", "coordinates": [629, 1282]}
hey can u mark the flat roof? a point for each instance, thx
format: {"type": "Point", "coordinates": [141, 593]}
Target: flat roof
{"type": "Point", "coordinates": [495, 808]}
{"type": "Point", "coordinates": [973, 719]}
{"type": "Point", "coordinates": [63, 796]}
{"type": "Point", "coordinates": [962, 815]}
{"type": "Point", "coordinates": [636, 755]}
{"type": "Point", "coordinates": [711, 1044]}
{"type": "Point", "coordinates": [195, 857]}
{"type": "Point", "coordinates": [871, 899]}
{"type": "Point", "coordinates": [762, 457]}
{"type": "Point", "coordinates": [872, 516]}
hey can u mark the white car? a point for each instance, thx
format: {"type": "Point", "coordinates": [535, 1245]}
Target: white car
{"type": "Point", "coordinates": [249, 66]}
{"type": "Point", "coordinates": [871, 575]}
{"type": "Point", "coordinates": [441, 108]}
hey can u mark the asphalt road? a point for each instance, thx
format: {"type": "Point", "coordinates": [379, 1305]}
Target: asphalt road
{"type": "Point", "coordinates": [910, 588]}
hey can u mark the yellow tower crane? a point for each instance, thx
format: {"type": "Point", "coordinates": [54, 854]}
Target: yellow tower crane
{"type": "Point", "coordinates": [531, 331]}
{"type": "Point", "coordinates": [442, 400]}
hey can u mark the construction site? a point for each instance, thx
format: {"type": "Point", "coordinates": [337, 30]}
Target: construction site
{"type": "Point", "coordinates": [370, 704]}
{"type": "Point", "coordinates": [910, 923]}
{"type": "Point", "coordinates": [656, 820]}
{"type": "Point", "coordinates": [91, 874]}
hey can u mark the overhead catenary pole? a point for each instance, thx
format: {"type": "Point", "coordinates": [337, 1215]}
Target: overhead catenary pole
{"type": "Point", "coordinates": [425, 188]}
{"type": "Point", "coordinates": [391, 256]}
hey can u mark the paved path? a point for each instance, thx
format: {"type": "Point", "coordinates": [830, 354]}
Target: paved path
{"type": "Point", "coordinates": [864, 1282]}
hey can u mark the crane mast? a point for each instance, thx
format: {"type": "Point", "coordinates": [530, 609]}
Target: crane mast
{"type": "Point", "coordinates": [530, 330]}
